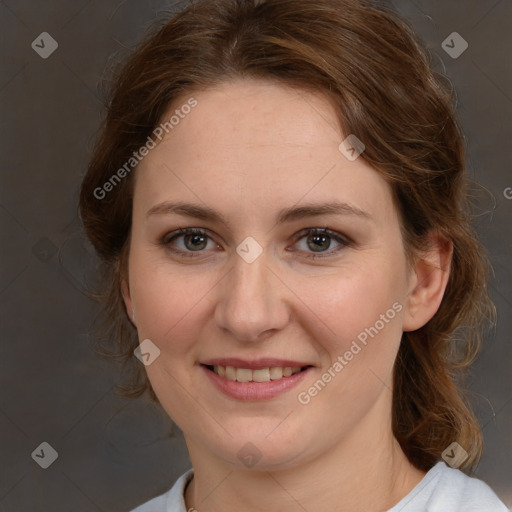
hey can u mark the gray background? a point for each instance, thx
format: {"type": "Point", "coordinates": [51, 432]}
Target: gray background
{"type": "Point", "coordinates": [114, 453]}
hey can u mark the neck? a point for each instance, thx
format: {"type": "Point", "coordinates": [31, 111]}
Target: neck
{"type": "Point", "coordinates": [365, 472]}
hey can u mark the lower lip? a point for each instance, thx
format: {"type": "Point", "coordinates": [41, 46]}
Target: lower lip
{"type": "Point", "coordinates": [255, 390]}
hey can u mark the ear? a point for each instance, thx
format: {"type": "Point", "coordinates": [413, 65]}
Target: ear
{"type": "Point", "coordinates": [130, 309]}
{"type": "Point", "coordinates": [427, 282]}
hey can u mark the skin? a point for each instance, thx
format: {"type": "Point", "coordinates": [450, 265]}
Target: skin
{"type": "Point", "coordinates": [247, 150]}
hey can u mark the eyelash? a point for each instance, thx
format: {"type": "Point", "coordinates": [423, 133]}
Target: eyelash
{"type": "Point", "coordinates": [343, 240]}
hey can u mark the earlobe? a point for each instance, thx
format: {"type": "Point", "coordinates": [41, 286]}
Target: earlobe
{"type": "Point", "coordinates": [428, 282]}
{"type": "Point", "coordinates": [130, 307]}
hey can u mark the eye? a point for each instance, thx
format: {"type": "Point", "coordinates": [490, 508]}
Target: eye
{"type": "Point", "coordinates": [194, 240]}
{"type": "Point", "coordinates": [319, 240]}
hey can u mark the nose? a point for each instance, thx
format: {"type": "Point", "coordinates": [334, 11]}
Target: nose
{"type": "Point", "coordinates": [252, 302]}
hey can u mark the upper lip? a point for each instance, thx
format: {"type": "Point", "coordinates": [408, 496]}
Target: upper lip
{"type": "Point", "coordinates": [255, 364]}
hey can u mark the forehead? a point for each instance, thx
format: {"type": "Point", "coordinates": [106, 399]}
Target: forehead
{"type": "Point", "coordinates": [255, 143]}
{"type": "Point", "coordinates": [259, 113]}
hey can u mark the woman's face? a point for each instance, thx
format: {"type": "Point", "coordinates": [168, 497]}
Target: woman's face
{"type": "Point", "coordinates": [247, 293]}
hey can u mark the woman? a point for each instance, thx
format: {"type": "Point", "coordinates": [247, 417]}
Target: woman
{"type": "Point", "coordinates": [278, 196]}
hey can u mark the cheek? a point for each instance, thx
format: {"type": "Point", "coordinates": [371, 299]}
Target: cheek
{"type": "Point", "coordinates": [166, 304]}
{"type": "Point", "coordinates": [360, 314]}
{"type": "Point", "coordinates": [349, 302]}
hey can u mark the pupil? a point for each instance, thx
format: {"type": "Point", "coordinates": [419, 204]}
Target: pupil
{"type": "Point", "coordinates": [196, 238]}
{"type": "Point", "coordinates": [316, 238]}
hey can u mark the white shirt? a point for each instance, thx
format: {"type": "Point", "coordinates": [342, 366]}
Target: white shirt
{"type": "Point", "coordinates": [442, 489]}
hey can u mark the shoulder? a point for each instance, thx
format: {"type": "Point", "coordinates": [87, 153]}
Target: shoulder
{"type": "Point", "coordinates": [172, 500]}
{"type": "Point", "coordinates": [465, 493]}
{"type": "Point", "coordinates": [444, 489]}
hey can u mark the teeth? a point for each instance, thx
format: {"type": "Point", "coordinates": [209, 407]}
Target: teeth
{"type": "Point", "coordinates": [276, 373]}
{"type": "Point", "coordinates": [230, 373]}
{"type": "Point", "coordinates": [260, 375]}
{"type": "Point", "coordinates": [243, 375]}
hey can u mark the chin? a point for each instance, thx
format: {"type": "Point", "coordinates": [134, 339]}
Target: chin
{"type": "Point", "coordinates": [261, 446]}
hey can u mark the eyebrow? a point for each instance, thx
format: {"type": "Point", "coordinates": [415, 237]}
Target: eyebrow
{"type": "Point", "coordinates": [285, 215]}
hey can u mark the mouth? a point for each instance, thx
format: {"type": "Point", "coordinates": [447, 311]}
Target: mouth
{"type": "Point", "coordinates": [267, 374]}
{"type": "Point", "coordinates": [264, 381]}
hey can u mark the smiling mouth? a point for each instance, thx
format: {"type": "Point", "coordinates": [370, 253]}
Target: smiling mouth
{"type": "Point", "coordinates": [259, 375]}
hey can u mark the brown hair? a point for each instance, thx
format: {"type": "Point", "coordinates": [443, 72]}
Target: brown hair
{"type": "Point", "coordinates": [378, 74]}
